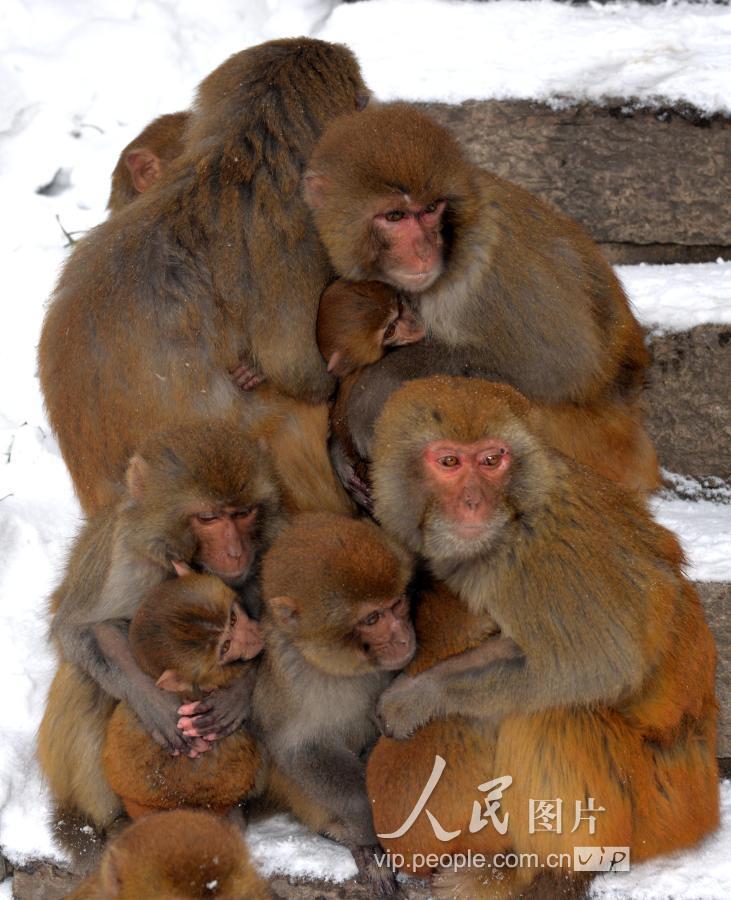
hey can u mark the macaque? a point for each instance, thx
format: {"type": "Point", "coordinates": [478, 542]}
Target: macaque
{"type": "Point", "coordinates": [185, 854]}
{"type": "Point", "coordinates": [145, 159]}
{"type": "Point", "coordinates": [201, 494]}
{"type": "Point", "coordinates": [336, 627]}
{"type": "Point", "coordinates": [357, 323]}
{"type": "Point", "coordinates": [606, 686]}
{"type": "Point", "coordinates": [506, 287]}
{"type": "Point", "coordinates": [218, 270]}
{"type": "Point", "coordinates": [192, 637]}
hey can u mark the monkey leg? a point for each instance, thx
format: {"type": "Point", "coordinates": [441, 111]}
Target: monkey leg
{"type": "Point", "coordinates": [70, 740]}
{"type": "Point", "coordinates": [297, 435]}
{"type": "Point", "coordinates": [574, 759]}
{"type": "Point", "coordinates": [677, 783]}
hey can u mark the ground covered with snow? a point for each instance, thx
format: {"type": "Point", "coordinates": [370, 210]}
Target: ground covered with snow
{"type": "Point", "coordinates": [76, 86]}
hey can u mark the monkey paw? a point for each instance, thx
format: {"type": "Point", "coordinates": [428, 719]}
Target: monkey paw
{"type": "Point", "coordinates": [380, 880]}
{"type": "Point", "coordinates": [246, 377]}
{"type": "Point", "coordinates": [404, 706]}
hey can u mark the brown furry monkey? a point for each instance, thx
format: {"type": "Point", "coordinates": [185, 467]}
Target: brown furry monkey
{"type": "Point", "coordinates": [192, 636]}
{"type": "Point", "coordinates": [609, 693]}
{"type": "Point", "coordinates": [336, 627]}
{"type": "Point", "coordinates": [506, 287]}
{"type": "Point", "coordinates": [217, 268]}
{"type": "Point", "coordinates": [202, 494]}
{"type": "Point", "coordinates": [187, 855]}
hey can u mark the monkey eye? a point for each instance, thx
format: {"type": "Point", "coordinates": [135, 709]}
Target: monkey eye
{"type": "Point", "coordinates": [243, 513]}
{"type": "Point", "coordinates": [394, 215]}
{"type": "Point", "coordinates": [225, 647]}
{"type": "Point", "coordinates": [449, 462]}
{"type": "Point", "coordinates": [371, 619]}
{"type": "Point", "coordinates": [431, 207]}
{"type": "Point", "coordinates": [234, 618]}
{"type": "Point", "coordinates": [390, 331]}
{"type": "Point", "coordinates": [207, 518]}
{"type": "Point", "coordinates": [493, 459]}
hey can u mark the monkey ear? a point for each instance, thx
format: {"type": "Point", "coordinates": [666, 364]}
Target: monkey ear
{"type": "Point", "coordinates": [284, 609]}
{"type": "Point", "coordinates": [171, 681]}
{"type": "Point", "coordinates": [181, 568]}
{"type": "Point", "coordinates": [337, 364]}
{"type": "Point", "coordinates": [138, 472]}
{"type": "Point", "coordinates": [315, 189]}
{"type": "Point", "coordinates": [144, 167]}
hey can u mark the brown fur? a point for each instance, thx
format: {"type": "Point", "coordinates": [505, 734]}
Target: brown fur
{"type": "Point", "coordinates": [175, 854]}
{"type": "Point", "coordinates": [119, 556]}
{"type": "Point", "coordinates": [317, 684]}
{"type": "Point", "coordinates": [163, 140]}
{"type": "Point", "coordinates": [614, 698]}
{"type": "Point", "coordinates": [217, 265]}
{"type": "Point", "coordinates": [524, 297]}
{"type": "Point", "coordinates": [173, 630]}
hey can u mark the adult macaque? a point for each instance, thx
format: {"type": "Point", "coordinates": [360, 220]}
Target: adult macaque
{"type": "Point", "coordinates": [336, 627]}
{"type": "Point", "coordinates": [506, 287]}
{"type": "Point", "coordinates": [145, 159]}
{"type": "Point", "coordinates": [186, 855]}
{"type": "Point", "coordinates": [217, 268]}
{"type": "Point", "coordinates": [199, 494]}
{"type": "Point", "coordinates": [192, 637]}
{"type": "Point", "coordinates": [357, 323]}
{"type": "Point", "coordinates": [609, 691]}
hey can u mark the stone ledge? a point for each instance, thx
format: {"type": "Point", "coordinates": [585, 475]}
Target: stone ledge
{"type": "Point", "coordinates": [716, 599]}
{"type": "Point", "coordinates": [635, 178]}
{"type": "Point", "coordinates": [688, 413]}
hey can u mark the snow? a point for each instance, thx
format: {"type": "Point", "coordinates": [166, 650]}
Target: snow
{"type": "Point", "coordinates": [441, 50]}
{"type": "Point", "coordinates": [77, 84]}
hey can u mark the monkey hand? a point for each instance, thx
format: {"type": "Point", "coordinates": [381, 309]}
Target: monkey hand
{"type": "Point", "coordinates": [220, 713]}
{"type": "Point", "coordinates": [246, 377]}
{"type": "Point", "coordinates": [158, 714]}
{"type": "Point", "coordinates": [409, 702]}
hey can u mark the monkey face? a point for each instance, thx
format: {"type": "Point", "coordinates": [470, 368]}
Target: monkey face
{"type": "Point", "coordinates": [466, 483]}
{"type": "Point", "coordinates": [386, 633]}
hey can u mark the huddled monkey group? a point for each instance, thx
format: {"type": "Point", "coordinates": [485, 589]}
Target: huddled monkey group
{"type": "Point", "coordinates": [356, 426]}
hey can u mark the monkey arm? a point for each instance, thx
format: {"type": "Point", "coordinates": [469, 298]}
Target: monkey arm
{"type": "Point", "coordinates": [334, 779]}
{"type": "Point", "coordinates": [497, 679]}
{"type": "Point", "coordinates": [102, 651]}
{"type": "Point", "coordinates": [222, 711]}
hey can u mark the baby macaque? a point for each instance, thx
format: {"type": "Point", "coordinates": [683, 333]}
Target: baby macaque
{"type": "Point", "coordinates": [192, 636]}
{"type": "Point", "coordinates": [357, 323]}
{"type": "Point", "coordinates": [185, 854]}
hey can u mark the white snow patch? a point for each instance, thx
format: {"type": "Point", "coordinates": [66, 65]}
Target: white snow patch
{"type": "Point", "coordinates": [441, 50]}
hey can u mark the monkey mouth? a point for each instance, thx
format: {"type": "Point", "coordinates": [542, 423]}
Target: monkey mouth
{"type": "Point", "coordinates": [419, 281]}
{"type": "Point", "coordinates": [399, 657]}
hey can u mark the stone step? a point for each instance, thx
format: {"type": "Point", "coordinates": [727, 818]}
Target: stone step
{"type": "Point", "coordinates": [716, 599]}
{"type": "Point", "coordinates": [650, 185]}
{"type": "Point", "coordinates": [687, 400]}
